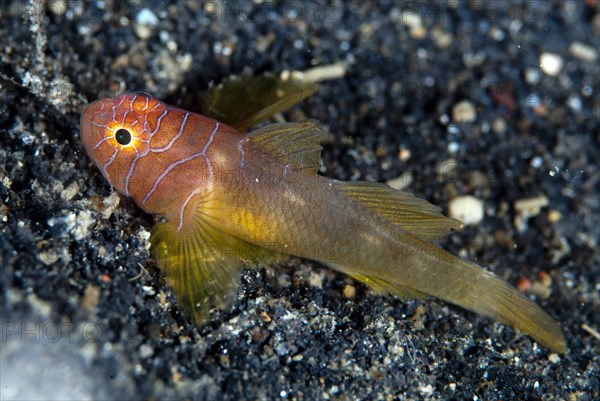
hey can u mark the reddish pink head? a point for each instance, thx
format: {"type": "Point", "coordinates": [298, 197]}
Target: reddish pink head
{"type": "Point", "coordinates": [115, 131]}
{"type": "Point", "coordinates": [155, 153]}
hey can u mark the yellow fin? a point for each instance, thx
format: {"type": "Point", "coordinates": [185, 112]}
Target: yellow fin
{"type": "Point", "coordinates": [244, 102]}
{"type": "Point", "coordinates": [415, 215]}
{"type": "Point", "coordinates": [297, 144]}
{"type": "Point", "coordinates": [382, 286]}
{"type": "Point", "coordinates": [202, 264]}
{"type": "Point", "coordinates": [491, 296]}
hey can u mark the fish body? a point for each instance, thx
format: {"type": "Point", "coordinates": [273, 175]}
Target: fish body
{"type": "Point", "coordinates": [228, 197]}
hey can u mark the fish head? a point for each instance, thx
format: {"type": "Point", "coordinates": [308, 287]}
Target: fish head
{"type": "Point", "coordinates": [117, 131]}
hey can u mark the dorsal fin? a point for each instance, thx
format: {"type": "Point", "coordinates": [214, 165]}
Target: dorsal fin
{"type": "Point", "coordinates": [246, 101]}
{"type": "Point", "coordinates": [296, 144]}
{"type": "Point", "coordinates": [415, 215]}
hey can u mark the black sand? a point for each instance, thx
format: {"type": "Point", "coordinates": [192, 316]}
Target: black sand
{"type": "Point", "coordinates": [85, 311]}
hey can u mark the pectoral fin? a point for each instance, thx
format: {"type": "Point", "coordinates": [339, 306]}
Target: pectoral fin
{"type": "Point", "coordinates": [244, 102]}
{"type": "Point", "coordinates": [415, 215]}
{"type": "Point", "coordinates": [202, 264]}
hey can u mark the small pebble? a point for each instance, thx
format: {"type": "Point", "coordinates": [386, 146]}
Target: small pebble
{"type": "Point", "coordinates": [146, 17]}
{"type": "Point", "coordinates": [497, 34]}
{"type": "Point", "coordinates": [57, 7]}
{"type": "Point", "coordinates": [532, 76]}
{"type": "Point", "coordinates": [70, 191]}
{"type": "Point", "coordinates": [527, 208]}
{"type": "Point", "coordinates": [499, 125]}
{"type": "Point", "coordinates": [48, 256]}
{"type": "Point", "coordinates": [523, 284]}
{"type": "Point", "coordinates": [91, 296]}
{"type": "Point", "coordinates": [583, 52]}
{"type": "Point", "coordinates": [265, 317]}
{"type": "Point", "coordinates": [414, 22]}
{"type": "Point", "coordinates": [224, 361]}
{"type": "Point", "coordinates": [554, 216]}
{"type": "Point", "coordinates": [145, 21]}
{"type": "Point", "coordinates": [404, 154]}
{"type": "Point", "coordinates": [316, 280]}
{"type": "Point", "coordinates": [349, 291]}
{"type": "Point", "coordinates": [551, 63]}
{"type": "Point", "coordinates": [453, 147]}
{"type": "Point", "coordinates": [418, 33]}
{"type": "Point", "coordinates": [442, 39]}
{"type": "Point", "coordinates": [417, 317]}
{"type": "Point", "coordinates": [464, 112]}
{"type": "Point", "coordinates": [107, 206]}
{"type": "Point", "coordinates": [540, 290]}
{"type": "Point", "coordinates": [575, 103]}
{"type": "Point", "coordinates": [146, 351]}
{"type": "Point", "coordinates": [467, 209]}
{"type": "Point", "coordinates": [545, 278]}
{"type": "Point", "coordinates": [536, 162]}
{"type": "Point", "coordinates": [531, 206]}
{"type": "Point", "coordinates": [426, 390]}
{"type": "Point", "coordinates": [402, 182]}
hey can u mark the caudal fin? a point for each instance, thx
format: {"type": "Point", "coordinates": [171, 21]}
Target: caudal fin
{"type": "Point", "coordinates": [465, 284]}
{"type": "Point", "coordinates": [407, 264]}
{"type": "Point", "coordinates": [469, 286]}
{"type": "Point", "coordinates": [491, 296]}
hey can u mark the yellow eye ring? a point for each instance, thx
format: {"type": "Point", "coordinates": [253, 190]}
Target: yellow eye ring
{"type": "Point", "coordinates": [124, 138]}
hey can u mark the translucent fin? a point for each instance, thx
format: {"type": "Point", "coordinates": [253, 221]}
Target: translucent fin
{"type": "Point", "coordinates": [481, 291]}
{"type": "Point", "coordinates": [436, 272]}
{"type": "Point", "coordinates": [384, 287]}
{"type": "Point", "coordinates": [244, 102]}
{"type": "Point", "coordinates": [297, 144]}
{"type": "Point", "coordinates": [202, 264]}
{"type": "Point", "coordinates": [415, 215]}
{"type": "Point", "coordinates": [491, 296]}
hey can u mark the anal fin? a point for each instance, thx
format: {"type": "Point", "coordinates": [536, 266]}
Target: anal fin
{"type": "Point", "coordinates": [382, 286]}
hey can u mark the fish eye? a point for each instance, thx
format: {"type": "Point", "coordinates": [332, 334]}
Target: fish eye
{"type": "Point", "coordinates": [123, 137]}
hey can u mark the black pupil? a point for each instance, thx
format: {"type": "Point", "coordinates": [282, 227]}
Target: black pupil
{"type": "Point", "coordinates": [123, 136]}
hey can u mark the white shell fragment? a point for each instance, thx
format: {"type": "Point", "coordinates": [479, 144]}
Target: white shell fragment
{"type": "Point", "coordinates": [467, 209]}
{"type": "Point", "coordinates": [464, 112]}
{"type": "Point", "coordinates": [551, 63]}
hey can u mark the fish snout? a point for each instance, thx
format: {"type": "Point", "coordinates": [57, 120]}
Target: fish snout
{"type": "Point", "coordinates": [94, 125]}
